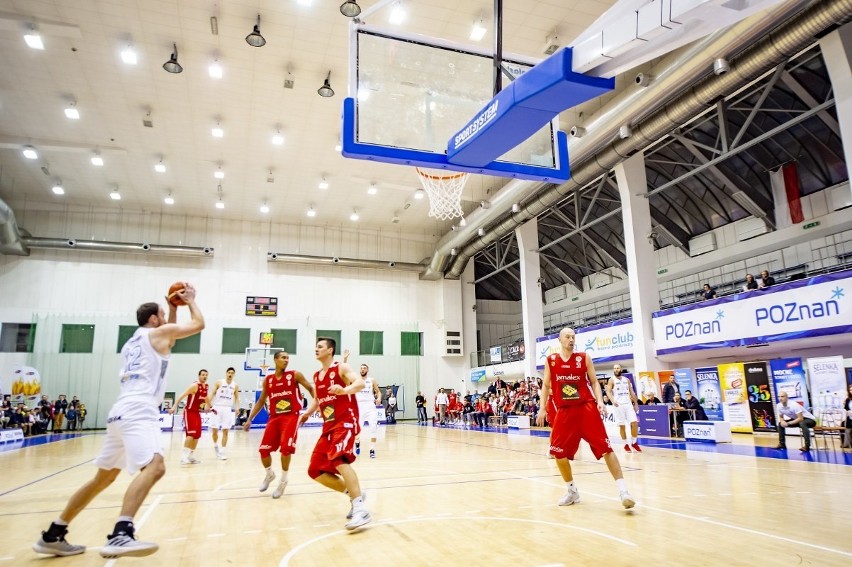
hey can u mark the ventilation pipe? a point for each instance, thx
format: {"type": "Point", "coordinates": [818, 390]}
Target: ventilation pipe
{"type": "Point", "coordinates": [101, 246]}
{"type": "Point", "coordinates": [345, 262]}
{"type": "Point", "coordinates": [10, 236]}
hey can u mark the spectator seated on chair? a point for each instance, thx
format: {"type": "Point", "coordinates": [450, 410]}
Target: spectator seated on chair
{"type": "Point", "coordinates": [708, 292]}
{"type": "Point", "coordinates": [750, 283]}
{"type": "Point", "coordinates": [650, 399]}
{"type": "Point", "coordinates": [678, 406]}
{"type": "Point", "coordinates": [793, 415]}
{"type": "Point", "coordinates": [765, 280]}
{"type": "Point", "coordinates": [692, 403]}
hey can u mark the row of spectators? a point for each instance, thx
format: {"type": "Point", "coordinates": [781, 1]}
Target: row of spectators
{"type": "Point", "coordinates": [750, 284]}
{"type": "Point", "coordinates": [500, 400]}
{"type": "Point", "coordinates": [45, 416]}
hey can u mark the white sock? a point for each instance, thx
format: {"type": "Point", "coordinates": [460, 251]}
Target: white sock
{"type": "Point", "coordinates": [358, 503]}
{"type": "Point", "coordinates": [621, 484]}
{"type": "Point", "coordinates": [284, 476]}
{"type": "Point", "coordinates": [269, 470]}
{"type": "Point", "coordinates": [372, 445]}
{"type": "Point", "coordinates": [187, 452]}
{"type": "Point", "coordinates": [629, 440]}
{"type": "Point", "coordinates": [570, 485]}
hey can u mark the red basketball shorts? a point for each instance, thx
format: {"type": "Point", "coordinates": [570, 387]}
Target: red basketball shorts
{"type": "Point", "coordinates": [192, 424]}
{"type": "Point", "coordinates": [575, 422]}
{"type": "Point", "coordinates": [335, 446]}
{"type": "Point", "coordinates": [280, 435]}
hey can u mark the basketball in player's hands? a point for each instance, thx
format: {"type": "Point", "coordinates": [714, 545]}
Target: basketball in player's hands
{"type": "Point", "coordinates": [173, 296]}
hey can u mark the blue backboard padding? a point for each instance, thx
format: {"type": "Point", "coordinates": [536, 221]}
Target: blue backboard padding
{"type": "Point", "coordinates": [522, 108]}
{"type": "Point", "coordinates": [421, 158]}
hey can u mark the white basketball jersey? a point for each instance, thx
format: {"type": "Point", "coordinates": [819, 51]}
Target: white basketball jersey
{"type": "Point", "coordinates": [621, 390]}
{"type": "Point", "coordinates": [366, 396]}
{"type": "Point", "coordinates": [225, 394]}
{"type": "Point", "coordinates": [143, 370]}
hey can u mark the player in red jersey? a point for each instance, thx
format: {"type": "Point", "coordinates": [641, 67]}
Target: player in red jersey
{"type": "Point", "coordinates": [196, 402]}
{"type": "Point", "coordinates": [579, 415]}
{"type": "Point", "coordinates": [285, 402]}
{"type": "Point", "coordinates": [331, 461]}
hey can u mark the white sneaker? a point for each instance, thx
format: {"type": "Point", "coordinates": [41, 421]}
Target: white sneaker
{"type": "Point", "coordinates": [221, 455]}
{"type": "Point", "coordinates": [267, 480]}
{"type": "Point", "coordinates": [627, 500]}
{"type": "Point", "coordinates": [351, 508]}
{"type": "Point", "coordinates": [193, 460]}
{"type": "Point", "coordinates": [185, 461]}
{"type": "Point", "coordinates": [60, 547]}
{"type": "Point", "coordinates": [126, 546]}
{"type": "Point", "coordinates": [359, 518]}
{"type": "Point", "coordinates": [279, 490]}
{"type": "Point", "coordinates": [570, 497]}
{"type": "Point", "coordinates": [218, 451]}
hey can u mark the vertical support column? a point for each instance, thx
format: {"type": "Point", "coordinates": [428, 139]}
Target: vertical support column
{"type": "Point", "coordinates": [532, 304]}
{"type": "Point", "coordinates": [468, 301]}
{"type": "Point", "coordinates": [641, 267]}
{"type": "Point", "coordinates": [836, 50]}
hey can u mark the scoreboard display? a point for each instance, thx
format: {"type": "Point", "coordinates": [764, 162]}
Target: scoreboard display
{"type": "Point", "coordinates": [262, 306]}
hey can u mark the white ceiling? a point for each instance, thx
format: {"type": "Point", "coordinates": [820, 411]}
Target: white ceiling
{"type": "Point", "coordinates": [249, 103]}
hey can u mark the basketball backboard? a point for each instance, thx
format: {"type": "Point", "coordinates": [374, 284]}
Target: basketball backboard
{"type": "Point", "coordinates": [410, 94]}
{"type": "Point", "coordinates": [260, 359]}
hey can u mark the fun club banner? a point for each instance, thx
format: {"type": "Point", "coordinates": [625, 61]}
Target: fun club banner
{"type": "Point", "coordinates": [806, 308]}
{"type": "Point", "coordinates": [608, 342]}
{"type": "Point", "coordinates": [734, 397]}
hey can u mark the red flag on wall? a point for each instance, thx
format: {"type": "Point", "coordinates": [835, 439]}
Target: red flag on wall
{"type": "Point", "coordinates": [790, 171]}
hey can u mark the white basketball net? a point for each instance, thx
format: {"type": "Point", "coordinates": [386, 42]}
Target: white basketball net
{"type": "Point", "coordinates": [444, 192]}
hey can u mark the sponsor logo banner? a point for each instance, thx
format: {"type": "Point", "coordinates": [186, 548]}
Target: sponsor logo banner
{"type": "Point", "coordinates": [759, 397]}
{"type": "Point", "coordinates": [477, 374]}
{"type": "Point", "coordinates": [828, 387]}
{"type": "Point", "coordinates": [496, 354]}
{"type": "Point", "coordinates": [734, 397]}
{"type": "Point", "coordinates": [806, 308]}
{"type": "Point", "coordinates": [605, 343]}
{"type": "Point", "coordinates": [709, 392]}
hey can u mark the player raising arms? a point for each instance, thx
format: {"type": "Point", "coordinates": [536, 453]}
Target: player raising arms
{"type": "Point", "coordinates": [580, 410]}
{"type": "Point", "coordinates": [133, 437]}
{"type": "Point", "coordinates": [225, 400]}
{"type": "Point", "coordinates": [285, 402]}
{"type": "Point", "coordinates": [331, 461]}
{"type": "Point", "coordinates": [196, 400]}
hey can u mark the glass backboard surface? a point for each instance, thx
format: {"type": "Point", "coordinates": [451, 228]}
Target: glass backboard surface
{"type": "Point", "coordinates": [413, 94]}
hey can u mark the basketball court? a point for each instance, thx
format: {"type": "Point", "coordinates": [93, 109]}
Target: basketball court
{"type": "Point", "coordinates": [454, 497]}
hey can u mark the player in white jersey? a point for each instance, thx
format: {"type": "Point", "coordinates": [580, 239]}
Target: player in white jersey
{"type": "Point", "coordinates": [225, 401]}
{"type": "Point", "coordinates": [367, 399]}
{"type": "Point", "coordinates": [133, 432]}
{"type": "Point", "coordinates": [620, 390]}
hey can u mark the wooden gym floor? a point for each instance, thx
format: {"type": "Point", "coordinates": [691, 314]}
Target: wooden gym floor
{"type": "Point", "coordinates": [443, 496]}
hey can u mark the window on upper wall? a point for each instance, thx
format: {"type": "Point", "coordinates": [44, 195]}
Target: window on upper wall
{"type": "Point", "coordinates": [411, 344]}
{"type": "Point", "coordinates": [235, 341]}
{"type": "Point", "coordinates": [284, 339]}
{"type": "Point", "coordinates": [372, 342]}
{"type": "Point", "coordinates": [188, 345]}
{"type": "Point", "coordinates": [124, 334]}
{"type": "Point", "coordinates": [332, 335]}
{"type": "Point", "coordinates": [77, 338]}
{"type": "Point", "coordinates": [17, 337]}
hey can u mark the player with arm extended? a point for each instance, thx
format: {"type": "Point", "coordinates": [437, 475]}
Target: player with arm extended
{"type": "Point", "coordinates": [331, 461]}
{"type": "Point", "coordinates": [133, 437]}
{"type": "Point", "coordinates": [579, 415]}
{"type": "Point", "coordinates": [368, 399]}
{"type": "Point", "coordinates": [196, 402]}
{"type": "Point", "coordinates": [281, 388]}
{"type": "Point", "coordinates": [224, 401]}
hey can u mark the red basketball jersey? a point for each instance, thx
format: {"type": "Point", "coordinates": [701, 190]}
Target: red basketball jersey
{"type": "Point", "coordinates": [283, 394]}
{"type": "Point", "coordinates": [198, 399]}
{"type": "Point", "coordinates": [335, 409]}
{"type": "Point", "coordinates": [569, 380]}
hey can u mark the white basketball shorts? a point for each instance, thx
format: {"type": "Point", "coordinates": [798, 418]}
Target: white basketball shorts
{"type": "Point", "coordinates": [223, 418]}
{"type": "Point", "coordinates": [130, 443]}
{"type": "Point", "coordinates": [624, 413]}
{"type": "Point", "coordinates": [367, 415]}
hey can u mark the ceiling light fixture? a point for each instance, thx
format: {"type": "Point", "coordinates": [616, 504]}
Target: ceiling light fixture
{"type": "Point", "coordinates": [397, 14]}
{"type": "Point", "coordinates": [72, 112]}
{"type": "Point", "coordinates": [478, 30]}
{"type": "Point", "coordinates": [264, 208]}
{"type": "Point", "coordinates": [325, 90]}
{"type": "Point", "coordinates": [30, 152]}
{"type": "Point", "coordinates": [128, 55]}
{"type": "Point", "coordinates": [172, 65]}
{"type": "Point", "coordinates": [350, 9]}
{"type": "Point", "coordinates": [323, 184]}
{"type": "Point", "coordinates": [97, 160]}
{"type": "Point", "coordinates": [277, 138]}
{"type": "Point", "coordinates": [33, 39]}
{"type": "Point", "coordinates": [160, 167]}
{"type": "Point", "coordinates": [311, 212]}
{"type": "Point", "coordinates": [115, 195]}
{"type": "Point", "coordinates": [169, 200]}
{"type": "Point", "coordinates": [419, 194]}
{"type": "Point", "coordinates": [305, 2]}
{"type": "Point", "coordinates": [254, 38]}
{"type": "Point", "coordinates": [372, 190]}
{"type": "Point", "coordinates": [217, 131]}
{"type": "Point", "coordinates": [220, 204]}
{"type": "Point", "coordinates": [57, 188]}
{"type": "Point", "coordinates": [219, 174]}
{"type": "Point", "coordinates": [215, 70]}
{"type": "Point", "coordinates": [354, 216]}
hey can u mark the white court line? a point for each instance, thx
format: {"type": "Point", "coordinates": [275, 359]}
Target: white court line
{"type": "Point", "coordinates": [252, 531]}
{"type": "Point", "coordinates": [285, 561]}
{"type": "Point", "coordinates": [6, 558]}
{"type": "Point", "coordinates": [141, 522]}
{"type": "Point", "coordinates": [216, 535]}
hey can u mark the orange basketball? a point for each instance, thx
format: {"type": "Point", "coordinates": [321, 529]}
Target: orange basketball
{"type": "Point", "coordinates": [173, 296]}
